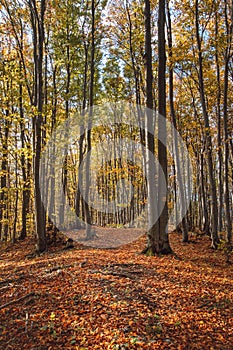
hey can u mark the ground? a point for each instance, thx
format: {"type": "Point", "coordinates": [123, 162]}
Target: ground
{"type": "Point", "coordinates": [92, 298]}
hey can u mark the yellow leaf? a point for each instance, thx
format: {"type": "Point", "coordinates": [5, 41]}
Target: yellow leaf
{"type": "Point", "coordinates": [52, 316]}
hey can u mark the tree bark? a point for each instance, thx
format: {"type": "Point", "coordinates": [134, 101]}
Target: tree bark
{"type": "Point", "coordinates": [228, 55]}
{"type": "Point", "coordinates": [89, 232]}
{"type": "Point", "coordinates": [173, 115]}
{"type": "Point", "coordinates": [219, 117]}
{"type": "Point", "coordinates": [158, 242]}
{"type": "Point", "coordinates": [38, 43]}
{"type": "Point", "coordinates": [79, 201]}
{"type": "Point", "coordinates": [3, 177]}
{"type": "Point", "coordinates": [26, 166]}
{"type": "Point", "coordinates": [214, 204]}
{"type": "Point", "coordinates": [162, 133]}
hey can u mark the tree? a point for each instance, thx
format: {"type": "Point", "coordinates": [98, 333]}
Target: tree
{"type": "Point", "coordinates": [89, 232]}
{"type": "Point", "coordinates": [173, 116]}
{"type": "Point", "coordinates": [227, 58]}
{"type": "Point", "coordinates": [214, 204]}
{"type": "Point", "coordinates": [37, 12]}
{"type": "Point", "coordinates": [158, 239]}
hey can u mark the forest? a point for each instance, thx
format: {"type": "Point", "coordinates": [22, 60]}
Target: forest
{"type": "Point", "coordinates": [116, 174]}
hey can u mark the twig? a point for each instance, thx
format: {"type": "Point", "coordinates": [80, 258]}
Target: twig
{"type": "Point", "coordinates": [6, 281]}
{"type": "Point", "coordinates": [60, 267]}
{"type": "Point", "coordinates": [17, 300]}
{"type": "Point", "coordinates": [207, 303]}
{"type": "Point", "coordinates": [11, 280]}
{"type": "Point", "coordinates": [5, 287]}
{"type": "Point", "coordinates": [118, 274]}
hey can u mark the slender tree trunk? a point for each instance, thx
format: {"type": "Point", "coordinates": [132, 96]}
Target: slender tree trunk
{"type": "Point", "coordinates": [218, 111]}
{"type": "Point", "coordinates": [89, 232]}
{"type": "Point", "coordinates": [136, 73]}
{"type": "Point", "coordinates": [214, 204]}
{"type": "Point", "coordinates": [3, 181]}
{"type": "Point", "coordinates": [25, 165]}
{"type": "Point", "coordinates": [79, 201]}
{"type": "Point", "coordinates": [153, 232]}
{"type": "Point", "coordinates": [13, 238]}
{"type": "Point", "coordinates": [67, 109]}
{"type": "Point", "coordinates": [173, 115]}
{"type": "Point", "coordinates": [204, 197]}
{"type": "Point", "coordinates": [38, 31]}
{"type": "Point", "coordinates": [158, 242]}
{"type": "Point", "coordinates": [228, 55]}
{"type": "Point", "coordinates": [52, 165]}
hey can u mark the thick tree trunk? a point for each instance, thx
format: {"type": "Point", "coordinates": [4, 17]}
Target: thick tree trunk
{"type": "Point", "coordinates": [162, 132]}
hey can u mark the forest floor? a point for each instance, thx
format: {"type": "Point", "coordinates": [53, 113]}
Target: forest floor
{"type": "Point", "coordinates": [92, 298]}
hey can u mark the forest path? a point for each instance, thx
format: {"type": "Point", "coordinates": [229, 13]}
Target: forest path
{"type": "Point", "coordinates": [107, 237]}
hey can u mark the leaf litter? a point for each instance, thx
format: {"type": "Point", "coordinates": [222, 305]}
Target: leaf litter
{"type": "Point", "coordinates": [92, 298]}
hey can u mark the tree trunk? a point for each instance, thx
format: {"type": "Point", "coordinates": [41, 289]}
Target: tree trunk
{"type": "Point", "coordinates": [214, 204]}
{"type": "Point", "coordinates": [158, 242]}
{"type": "Point", "coordinates": [162, 133]}
{"type": "Point", "coordinates": [79, 201]}
{"type": "Point", "coordinates": [89, 232]}
{"type": "Point", "coordinates": [51, 190]}
{"type": "Point", "coordinates": [26, 165]}
{"type": "Point", "coordinates": [173, 115]}
{"type": "Point", "coordinates": [3, 181]}
{"type": "Point", "coordinates": [218, 111]}
{"type": "Point", "coordinates": [204, 197]}
{"type": "Point", "coordinates": [228, 55]}
{"type": "Point", "coordinates": [38, 43]}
